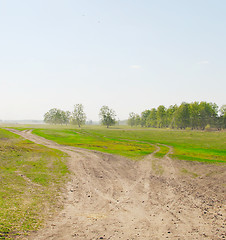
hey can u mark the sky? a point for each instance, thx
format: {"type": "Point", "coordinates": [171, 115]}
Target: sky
{"type": "Point", "coordinates": [130, 55]}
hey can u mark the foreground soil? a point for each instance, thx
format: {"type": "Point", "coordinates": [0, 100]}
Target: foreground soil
{"type": "Point", "coordinates": [111, 197]}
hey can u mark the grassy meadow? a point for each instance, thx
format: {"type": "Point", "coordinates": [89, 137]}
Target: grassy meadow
{"type": "Point", "coordinates": [134, 143]}
{"type": "Point", "coordinates": [31, 178]}
{"type": "Point", "coordinates": [32, 175]}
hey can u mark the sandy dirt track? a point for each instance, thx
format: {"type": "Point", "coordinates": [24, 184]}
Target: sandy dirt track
{"type": "Point", "coordinates": [111, 197]}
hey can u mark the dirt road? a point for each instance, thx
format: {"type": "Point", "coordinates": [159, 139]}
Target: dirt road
{"type": "Point", "coordinates": [111, 197]}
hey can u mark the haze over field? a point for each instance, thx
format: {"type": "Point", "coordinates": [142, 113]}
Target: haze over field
{"type": "Point", "coordinates": [130, 55]}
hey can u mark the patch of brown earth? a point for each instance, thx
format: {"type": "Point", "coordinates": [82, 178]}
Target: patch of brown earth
{"type": "Point", "coordinates": [110, 197]}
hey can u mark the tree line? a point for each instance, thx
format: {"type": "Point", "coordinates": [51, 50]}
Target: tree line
{"type": "Point", "coordinates": [78, 116]}
{"type": "Point", "coordinates": [195, 115]}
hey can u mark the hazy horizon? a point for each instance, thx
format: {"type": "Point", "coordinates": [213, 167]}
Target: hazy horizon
{"type": "Point", "coordinates": [129, 55]}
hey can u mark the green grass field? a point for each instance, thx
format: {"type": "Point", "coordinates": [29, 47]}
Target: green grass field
{"type": "Point", "coordinates": [32, 175]}
{"type": "Point", "coordinates": [136, 143]}
{"type": "Point", "coordinates": [31, 178]}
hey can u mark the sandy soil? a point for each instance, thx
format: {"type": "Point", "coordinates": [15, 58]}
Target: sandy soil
{"type": "Point", "coordinates": [111, 197]}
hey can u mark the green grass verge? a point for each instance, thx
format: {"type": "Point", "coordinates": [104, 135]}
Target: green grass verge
{"type": "Point", "coordinates": [163, 151]}
{"type": "Point", "coordinates": [31, 178]}
{"type": "Point", "coordinates": [84, 139]}
{"type": "Point", "coordinates": [188, 145]}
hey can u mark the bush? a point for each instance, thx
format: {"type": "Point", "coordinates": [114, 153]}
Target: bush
{"type": "Point", "coordinates": [207, 127]}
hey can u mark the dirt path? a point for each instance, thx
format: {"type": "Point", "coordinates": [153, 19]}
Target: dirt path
{"type": "Point", "coordinates": [110, 197]}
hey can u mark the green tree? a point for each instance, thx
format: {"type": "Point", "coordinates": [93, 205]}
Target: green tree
{"type": "Point", "coordinates": [152, 118]}
{"type": "Point", "coordinates": [170, 116]}
{"type": "Point", "coordinates": [137, 120]}
{"type": "Point", "coordinates": [222, 117]}
{"type": "Point", "coordinates": [223, 110]}
{"type": "Point", "coordinates": [208, 114]}
{"type": "Point", "coordinates": [132, 119]}
{"type": "Point", "coordinates": [78, 116]}
{"type": "Point", "coordinates": [194, 110]}
{"type": "Point", "coordinates": [182, 116]}
{"type": "Point", "coordinates": [65, 117]}
{"type": "Point", "coordinates": [161, 116]}
{"type": "Point", "coordinates": [56, 116]}
{"type": "Point", "coordinates": [107, 116]}
{"type": "Point", "coordinates": [143, 119]}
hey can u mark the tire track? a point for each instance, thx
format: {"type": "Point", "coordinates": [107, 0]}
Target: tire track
{"type": "Point", "coordinates": [111, 197]}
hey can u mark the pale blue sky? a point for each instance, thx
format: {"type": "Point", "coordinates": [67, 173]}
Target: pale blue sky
{"type": "Point", "coordinates": [130, 55]}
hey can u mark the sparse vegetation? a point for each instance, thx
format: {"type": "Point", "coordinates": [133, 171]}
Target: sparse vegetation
{"type": "Point", "coordinates": [157, 168]}
{"type": "Point", "coordinates": [87, 139]}
{"type": "Point", "coordinates": [32, 175]}
{"type": "Point", "coordinates": [192, 174]}
{"type": "Point", "coordinates": [31, 179]}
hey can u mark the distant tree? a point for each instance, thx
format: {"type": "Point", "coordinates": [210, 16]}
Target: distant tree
{"type": "Point", "coordinates": [222, 117]}
{"type": "Point", "coordinates": [208, 114]}
{"type": "Point", "coordinates": [223, 110]}
{"type": "Point", "coordinates": [89, 122]}
{"type": "Point", "coordinates": [78, 117]}
{"type": "Point", "coordinates": [194, 110]}
{"type": "Point", "coordinates": [137, 120]}
{"type": "Point", "coordinates": [151, 120]}
{"type": "Point", "coordinates": [107, 116]}
{"type": "Point", "coordinates": [144, 117]}
{"type": "Point", "coordinates": [132, 119]}
{"type": "Point", "coordinates": [66, 117]}
{"type": "Point", "coordinates": [214, 114]}
{"type": "Point", "coordinates": [47, 118]}
{"type": "Point", "coordinates": [195, 115]}
{"type": "Point", "coordinates": [161, 116]}
{"type": "Point", "coordinates": [56, 116]}
{"type": "Point", "coordinates": [170, 116]}
{"type": "Point", "coordinates": [182, 116]}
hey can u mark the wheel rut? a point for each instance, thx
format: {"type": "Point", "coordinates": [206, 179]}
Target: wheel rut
{"type": "Point", "coordinates": [111, 197]}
